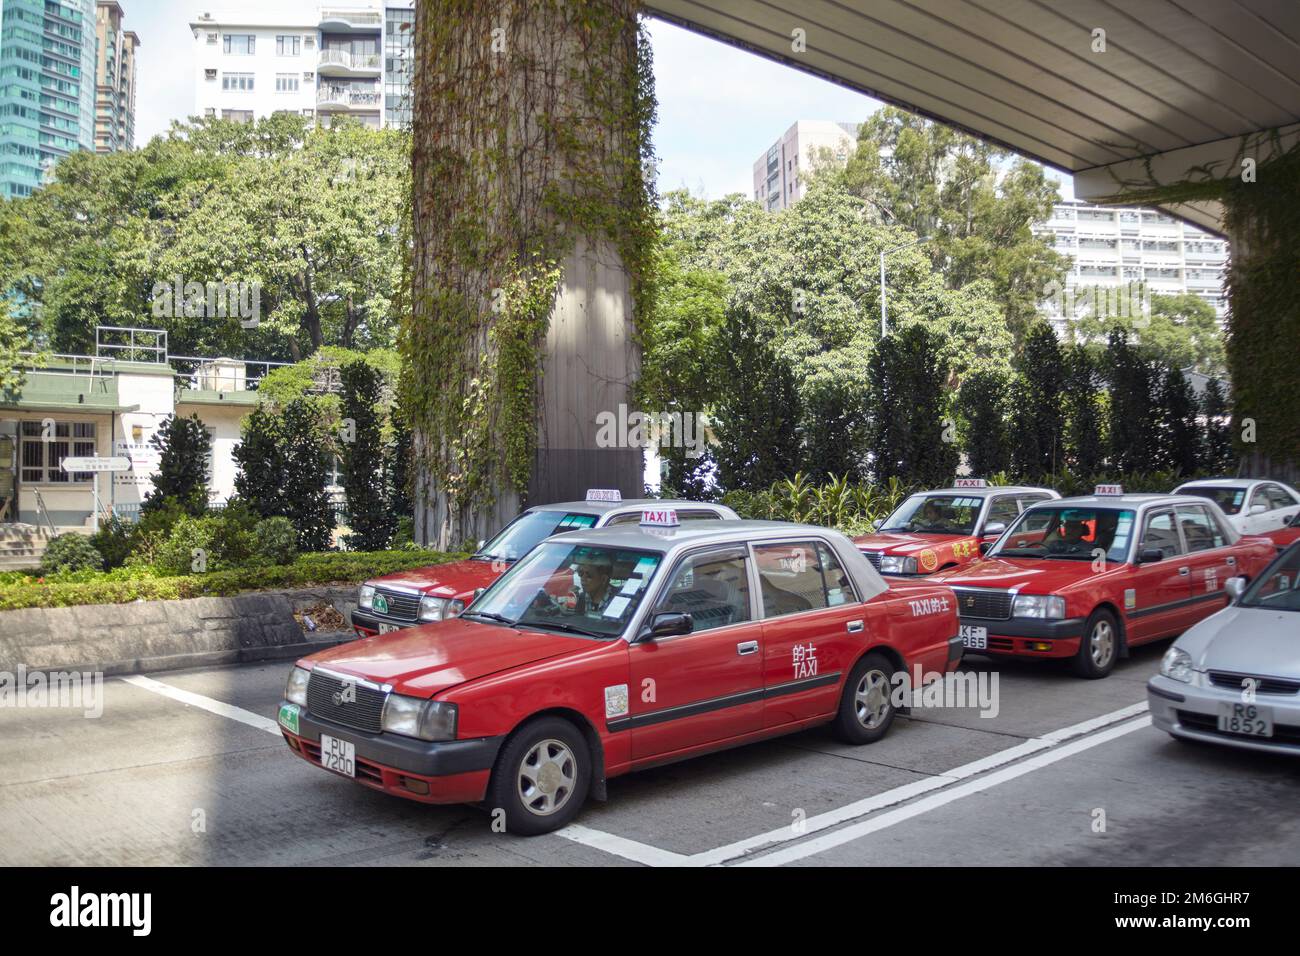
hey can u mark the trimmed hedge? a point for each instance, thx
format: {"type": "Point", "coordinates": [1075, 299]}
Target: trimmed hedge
{"type": "Point", "coordinates": [126, 585]}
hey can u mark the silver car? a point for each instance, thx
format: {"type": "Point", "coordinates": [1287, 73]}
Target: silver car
{"type": "Point", "coordinates": [1234, 678]}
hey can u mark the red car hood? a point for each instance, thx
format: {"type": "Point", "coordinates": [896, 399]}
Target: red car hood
{"type": "Point", "coordinates": [891, 542]}
{"type": "Point", "coordinates": [457, 579]}
{"type": "Point", "coordinates": [426, 660]}
{"type": "Point", "coordinates": [1038, 576]}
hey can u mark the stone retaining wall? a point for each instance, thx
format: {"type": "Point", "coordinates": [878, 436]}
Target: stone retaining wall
{"type": "Point", "coordinates": [165, 635]}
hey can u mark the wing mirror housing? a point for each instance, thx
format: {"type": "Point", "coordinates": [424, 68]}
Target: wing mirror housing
{"type": "Point", "coordinates": [994, 529]}
{"type": "Point", "coordinates": [1257, 509]}
{"type": "Point", "coordinates": [667, 624]}
{"type": "Point", "coordinates": [1235, 587]}
{"type": "Point", "coordinates": [1150, 555]}
{"type": "Point", "coordinates": [875, 525]}
{"type": "Point", "coordinates": [985, 545]}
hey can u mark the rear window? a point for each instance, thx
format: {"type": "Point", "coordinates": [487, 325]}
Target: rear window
{"type": "Point", "coordinates": [1229, 499]}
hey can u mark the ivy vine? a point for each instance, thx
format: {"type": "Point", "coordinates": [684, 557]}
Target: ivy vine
{"type": "Point", "coordinates": [531, 129]}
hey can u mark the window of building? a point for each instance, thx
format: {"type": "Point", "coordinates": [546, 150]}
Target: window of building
{"type": "Point", "coordinates": [43, 450]}
{"type": "Point", "coordinates": [238, 116]}
{"type": "Point", "coordinates": [286, 82]}
{"type": "Point", "coordinates": [240, 44]}
{"type": "Point", "coordinates": [237, 81]}
{"type": "Point", "coordinates": [288, 45]}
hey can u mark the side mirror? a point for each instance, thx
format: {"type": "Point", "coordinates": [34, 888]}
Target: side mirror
{"type": "Point", "coordinates": [875, 525]}
{"type": "Point", "coordinates": [667, 624]}
{"type": "Point", "coordinates": [477, 592]}
{"type": "Point", "coordinates": [985, 545]}
{"type": "Point", "coordinates": [1235, 587]}
{"type": "Point", "coordinates": [994, 528]}
{"type": "Point", "coordinates": [1148, 555]}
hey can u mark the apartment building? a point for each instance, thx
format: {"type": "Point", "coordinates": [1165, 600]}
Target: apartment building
{"type": "Point", "coordinates": [47, 91]}
{"type": "Point", "coordinates": [1112, 247]}
{"type": "Point", "coordinates": [777, 180]}
{"type": "Point", "coordinates": [320, 61]}
{"type": "Point", "coordinates": [115, 79]}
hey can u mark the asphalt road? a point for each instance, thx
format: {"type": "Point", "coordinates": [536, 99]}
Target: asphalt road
{"type": "Point", "coordinates": [1069, 772]}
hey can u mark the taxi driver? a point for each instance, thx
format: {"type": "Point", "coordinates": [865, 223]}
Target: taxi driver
{"type": "Point", "coordinates": [1072, 536]}
{"type": "Point", "coordinates": [594, 572]}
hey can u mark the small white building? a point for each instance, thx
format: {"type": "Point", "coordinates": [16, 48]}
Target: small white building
{"type": "Point", "coordinates": [780, 172]}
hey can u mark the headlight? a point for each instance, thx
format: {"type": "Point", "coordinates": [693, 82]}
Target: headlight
{"type": "Point", "coordinates": [295, 688]}
{"type": "Point", "coordinates": [432, 608]}
{"type": "Point", "coordinates": [366, 596]}
{"type": "Point", "coordinates": [1043, 606]}
{"type": "Point", "coordinates": [1177, 665]}
{"type": "Point", "coordinates": [893, 564]}
{"type": "Point", "coordinates": [417, 717]}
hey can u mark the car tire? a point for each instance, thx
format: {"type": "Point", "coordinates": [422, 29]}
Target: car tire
{"type": "Point", "coordinates": [541, 776]}
{"type": "Point", "coordinates": [1099, 647]}
{"type": "Point", "coordinates": [864, 716]}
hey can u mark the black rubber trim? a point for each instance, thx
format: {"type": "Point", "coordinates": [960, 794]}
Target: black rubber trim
{"type": "Point", "coordinates": [719, 703]}
{"type": "Point", "coordinates": [1173, 605]}
{"type": "Point", "coordinates": [1071, 627]}
{"type": "Point", "coordinates": [1166, 694]}
{"type": "Point", "coordinates": [438, 759]}
{"type": "Point", "coordinates": [371, 620]}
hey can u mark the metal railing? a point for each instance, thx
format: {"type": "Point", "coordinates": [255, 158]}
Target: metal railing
{"type": "Point", "coordinates": [131, 344]}
{"type": "Point", "coordinates": [349, 60]}
{"type": "Point", "coordinates": [330, 94]}
{"type": "Point", "coordinates": [194, 373]}
{"type": "Point", "coordinates": [359, 18]}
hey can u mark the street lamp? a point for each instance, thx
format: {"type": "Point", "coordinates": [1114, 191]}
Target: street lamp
{"type": "Point", "coordinates": [884, 252]}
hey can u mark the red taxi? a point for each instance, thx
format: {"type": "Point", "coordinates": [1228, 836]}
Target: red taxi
{"type": "Point", "coordinates": [610, 650]}
{"type": "Point", "coordinates": [1286, 535]}
{"type": "Point", "coordinates": [943, 529]}
{"type": "Point", "coordinates": [1087, 578]}
{"type": "Point", "coordinates": [440, 591]}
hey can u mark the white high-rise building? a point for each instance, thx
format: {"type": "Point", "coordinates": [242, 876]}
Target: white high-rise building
{"type": "Point", "coordinates": [1111, 247]}
{"type": "Point", "coordinates": [777, 179]}
{"type": "Point", "coordinates": [314, 59]}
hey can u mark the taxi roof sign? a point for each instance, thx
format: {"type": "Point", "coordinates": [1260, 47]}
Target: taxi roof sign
{"type": "Point", "coordinates": [604, 494]}
{"type": "Point", "coordinates": [1108, 490]}
{"type": "Point", "coordinates": [660, 518]}
{"type": "Point", "coordinates": [970, 483]}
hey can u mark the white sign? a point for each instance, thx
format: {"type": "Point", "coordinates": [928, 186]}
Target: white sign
{"type": "Point", "coordinates": [660, 518]}
{"type": "Point", "coordinates": [604, 494]}
{"type": "Point", "coordinates": [96, 464]}
{"type": "Point", "coordinates": [970, 483]}
{"type": "Point", "coordinates": [1109, 490]}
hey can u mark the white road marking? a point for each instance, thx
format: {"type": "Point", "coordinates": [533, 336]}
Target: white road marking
{"type": "Point", "coordinates": [621, 846]}
{"type": "Point", "coordinates": [908, 791]}
{"type": "Point", "coordinates": [205, 703]}
{"type": "Point", "coordinates": [902, 814]}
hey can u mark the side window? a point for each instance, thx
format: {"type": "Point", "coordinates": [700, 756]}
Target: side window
{"type": "Point", "coordinates": [1159, 532]}
{"type": "Point", "coordinates": [800, 576]}
{"type": "Point", "coordinates": [1259, 497]}
{"type": "Point", "coordinates": [1027, 500]}
{"type": "Point", "coordinates": [1003, 509]}
{"type": "Point", "coordinates": [1200, 530]}
{"type": "Point", "coordinates": [623, 519]}
{"type": "Point", "coordinates": [712, 587]}
{"type": "Point", "coordinates": [698, 514]}
{"type": "Point", "coordinates": [1280, 497]}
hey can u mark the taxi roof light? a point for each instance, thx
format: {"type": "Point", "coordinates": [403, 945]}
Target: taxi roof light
{"type": "Point", "coordinates": [970, 483]}
{"type": "Point", "coordinates": [1101, 490]}
{"type": "Point", "coordinates": [604, 494]}
{"type": "Point", "coordinates": [660, 518]}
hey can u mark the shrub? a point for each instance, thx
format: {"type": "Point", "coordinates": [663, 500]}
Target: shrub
{"type": "Point", "coordinates": [276, 541]}
{"type": "Point", "coordinates": [71, 552]}
{"type": "Point", "coordinates": [188, 549]}
{"type": "Point", "coordinates": [183, 445]}
{"type": "Point", "coordinates": [114, 541]}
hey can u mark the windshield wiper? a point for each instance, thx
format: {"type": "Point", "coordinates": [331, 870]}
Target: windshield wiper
{"type": "Point", "coordinates": [1016, 552]}
{"type": "Point", "coordinates": [490, 616]}
{"type": "Point", "coordinates": [560, 626]}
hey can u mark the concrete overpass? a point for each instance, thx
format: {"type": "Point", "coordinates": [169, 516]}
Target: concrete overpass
{"type": "Point", "coordinates": [1170, 86]}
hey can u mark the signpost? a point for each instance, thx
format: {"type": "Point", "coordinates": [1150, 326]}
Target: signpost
{"type": "Point", "coordinates": [95, 465]}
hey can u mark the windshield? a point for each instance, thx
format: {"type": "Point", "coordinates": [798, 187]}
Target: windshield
{"type": "Point", "coordinates": [1068, 533]}
{"type": "Point", "coordinates": [579, 588]}
{"type": "Point", "coordinates": [522, 535]}
{"type": "Point", "coordinates": [935, 514]}
{"type": "Point", "coordinates": [1229, 499]}
{"type": "Point", "coordinates": [1278, 588]}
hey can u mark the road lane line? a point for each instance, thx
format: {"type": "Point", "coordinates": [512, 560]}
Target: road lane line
{"type": "Point", "coordinates": [838, 838]}
{"type": "Point", "coordinates": [917, 788]}
{"type": "Point", "coordinates": [621, 846]}
{"type": "Point", "coordinates": [204, 703]}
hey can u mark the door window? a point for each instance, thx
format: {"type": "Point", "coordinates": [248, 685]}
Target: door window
{"type": "Point", "coordinates": [1003, 509]}
{"type": "Point", "coordinates": [1279, 497]}
{"type": "Point", "coordinates": [800, 576]}
{"type": "Point", "coordinates": [1160, 533]}
{"type": "Point", "coordinates": [712, 587]}
{"type": "Point", "coordinates": [1200, 530]}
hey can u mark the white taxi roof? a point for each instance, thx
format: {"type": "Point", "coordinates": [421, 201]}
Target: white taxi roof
{"type": "Point", "coordinates": [988, 490]}
{"type": "Point", "coordinates": [633, 505]}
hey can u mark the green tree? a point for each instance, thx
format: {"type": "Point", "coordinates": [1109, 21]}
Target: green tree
{"type": "Point", "coordinates": [984, 415]}
{"type": "Point", "coordinates": [1037, 448]}
{"type": "Point", "coordinates": [261, 460]}
{"type": "Point", "coordinates": [366, 478]}
{"type": "Point", "coordinates": [1217, 454]}
{"type": "Point", "coordinates": [183, 447]}
{"type": "Point", "coordinates": [1177, 430]}
{"type": "Point", "coordinates": [1131, 424]}
{"type": "Point", "coordinates": [909, 438]}
{"type": "Point", "coordinates": [1081, 400]}
{"type": "Point", "coordinates": [1178, 330]}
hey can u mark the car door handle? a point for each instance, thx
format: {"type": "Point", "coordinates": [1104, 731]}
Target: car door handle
{"type": "Point", "coordinates": [1184, 570]}
{"type": "Point", "coordinates": [853, 627]}
{"type": "Point", "coordinates": [747, 647]}
{"type": "Point", "coordinates": [1232, 562]}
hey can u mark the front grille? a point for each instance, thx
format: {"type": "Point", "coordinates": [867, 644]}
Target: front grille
{"type": "Point", "coordinates": [873, 557]}
{"type": "Point", "coordinates": [1262, 685]}
{"type": "Point", "coordinates": [1209, 724]}
{"type": "Point", "coordinates": [359, 707]}
{"type": "Point", "coordinates": [992, 605]}
{"type": "Point", "coordinates": [403, 606]}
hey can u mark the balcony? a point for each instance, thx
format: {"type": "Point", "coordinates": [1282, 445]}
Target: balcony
{"type": "Point", "coordinates": [346, 97]}
{"type": "Point", "coordinates": [344, 20]}
{"type": "Point", "coordinates": [347, 63]}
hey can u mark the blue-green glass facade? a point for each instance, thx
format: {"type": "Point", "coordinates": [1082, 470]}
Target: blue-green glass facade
{"type": "Point", "coordinates": [47, 88]}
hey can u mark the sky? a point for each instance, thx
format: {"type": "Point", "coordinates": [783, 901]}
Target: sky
{"type": "Point", "coordinates": [719, 107]}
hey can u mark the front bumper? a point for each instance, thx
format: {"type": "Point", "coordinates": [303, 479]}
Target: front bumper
{"type": "Point", "coordinates": [366, 623]}
{"type": "Point", "coordinates": [448, 771]}
{"type": "Point", "coordinates": [1191, 712]}
{"type": "Point", "coordinates": [1030, 637]}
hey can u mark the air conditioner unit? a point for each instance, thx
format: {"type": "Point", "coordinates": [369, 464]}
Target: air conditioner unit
{"type": "Point", "coordinates": [309, 77]}
{"type": "Point", "coordinates": [210, 74]}
{"type": "Point", "coordinates": [212, 38]}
